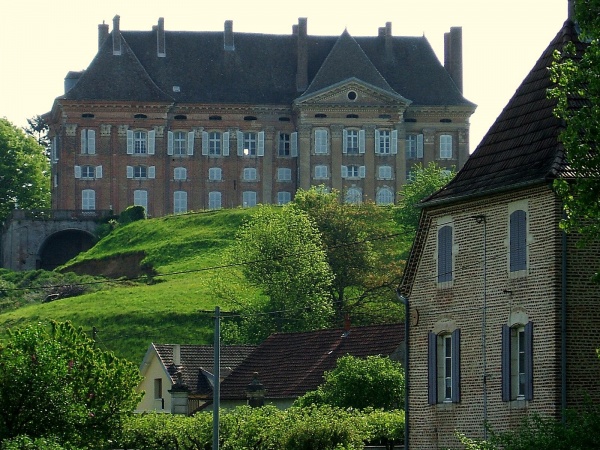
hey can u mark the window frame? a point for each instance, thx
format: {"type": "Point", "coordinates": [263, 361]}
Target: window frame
{"type": "Point", "coordinates": [140, 198]}
{"type": "Point", "coordinates": [284, 145]}
{"type": "Point", "coordinates": [318, 172]}
{"type": "Point", "coordinates": [443, 367]}
{"type": "Point", "coordinates": [140, 142]}
{"type": "Point", "coordinates": [351, 141]}
{"type": "Point", "coordinates": [250, 174]}
{"type": "Point", "coordinates": [180, 200]}
{"type": "Point", "coordinates": [180, 143]}
{"type": "Point", "coordinates": [385, 172]}
{"type": "Point", "coordinates": [284, 174]}
{"type": "Point", "coordinates": [517, 362]}
{"type": "Point", "coordinates": [446, 146]}
{"type": "Point", "coordinates": [88, 200]}
{"type": "Point", "coordinates": [249, 199]}
{"type": "Point", "coordinates": [389, 196]}
{"type": "Point", "coordinates": [212, 174]}
{"type": "Point", "coordinates": [321, 141]}
{"type": "Point", "coordinates": [179, 174]}
{"type": "Point", "coordinates": [384, 142]}
{"type": "Point", "coordinates": [284, 197]}
{"type": "Point", "coordinates": [215, 200]}
{"type": "Point", "coordinates": [353, 195]}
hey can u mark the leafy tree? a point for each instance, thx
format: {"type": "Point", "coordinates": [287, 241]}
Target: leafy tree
{"type": "Point", "coordinates": [38, 129]}
{"type": "Point", "coordinates": [24, 171]}
{"type": "Point", "coordinates": [362, 248]}
{"type": "Point", "coordinates": [54, 383]}
{"type": "Point", "coordinates": [374, 382]}
{"type": "Point", "coordinates": [279, 252]}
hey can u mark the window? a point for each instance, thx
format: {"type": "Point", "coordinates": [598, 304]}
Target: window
{"type": "Point", "coordinates": [385, 196]}
{"type": "Point", "coordinates": [179, 202]}
{"type": "Point", "coordinates": [284, 174]}
{"type": "Point", "coordinates": [179, 143]}
{"type": "Point", "coordinates": [214, 174]}
{"type": "Point", "coordinates": [158, 391]}
{"type": "Point", "coordinates": [250, 144]}
{"type": "Point", "coordinates": [353, 171]}
{"type": "Point", "coordinates": [87, 172]}
{"type": "Point", "coordinates": [353, 196]}
{"type": "Point", "coordinates": [283, 198]}
{"type": "Point", "coordinates": [140, 172]}
{"type": "Point", "coordinates": [214, 143]}
{"type": "Point", "coordinates": [518, 241]}
{"type": "Point", "coordinates": [284, 144]}
{"type": "Point", "coordinates": [88, 199]}
{"type": "Point", "coordinates": [140, 142]}
{"type": "Point", "coordinates": [321, 142]}
{"type": "Point", "coordinates": [445, 146]}
{"type": "Point", "coordinates": [443, 377]}
{"type": "Point", "coordinates": [321, 172]}
{"type": "Point", "coordinates": [444, 254]}
{"type": "Point", "coordinates": [214, 200]}
{"type": "Point", "coordinates": [351, 142]}
{"type": "Point", "coordinates": [140, 198]}
{"type": "Point", "coordinates": [249, 198]}
{"type": "Point", "coordinates": [180, 173]}
{"type": "Point", "coordinates": [410, 176]}
{"type": "Point", "coordinates": [383, 142]}
{"type": "Point", "coordinates": [249, 174]}
{"type": "Point", "coordinates": [385, 172]}
{"type": "Point", "coordinates": [88, 142]}
{"type": "Point", "coordinates": [517, 362]}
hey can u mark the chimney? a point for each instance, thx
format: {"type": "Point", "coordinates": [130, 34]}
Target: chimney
{"type": "Point", "coordinates": [228, 43]}
{"type": "Point", "coordinates": [388, 38]}
{"type": "Point", "coordinates": [102, 34]}
{"type": "Point", "coordinates": [302, 50]}
{"type": "Point", "coordinates": [176, 354]}
{"type": "Point", "coordinates": [453, 55]}
{"type": "Point", "coordinates": [116, 36]}
{"type": "Point", "coordinates": [160, 38]}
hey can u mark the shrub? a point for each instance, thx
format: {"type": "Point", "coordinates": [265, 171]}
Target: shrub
{"type": "Point", "coordinates": [132, 214]}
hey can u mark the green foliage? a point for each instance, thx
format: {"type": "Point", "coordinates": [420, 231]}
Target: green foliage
{"type": "Point", "coordinates": [38, 129]}
{"type": "Point", "coordinates": [132, 214]}
{"type": "Point", "coordinates": [27, 443]}
{"type": "Point", "coordinates": [55, 382]}
{"type": "Point", "coordinates": [24, 171]}
{"type": "Point", "coordinates": [374, 382]}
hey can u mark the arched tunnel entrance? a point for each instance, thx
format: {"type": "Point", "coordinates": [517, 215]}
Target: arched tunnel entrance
{"type": "Point", "coordinates": [63, 246]}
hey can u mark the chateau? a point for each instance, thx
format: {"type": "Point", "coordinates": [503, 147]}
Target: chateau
{"type": "Point", "coordinates": [178, 121]}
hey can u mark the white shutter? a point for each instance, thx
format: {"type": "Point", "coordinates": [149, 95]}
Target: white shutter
{"type": "Point", "coordinates": [376, 141]}
{"type": "Point", "coordinates": [169, 143]}
{"type": "Point", "coordinates": [129, 171]}
{"type": "Point", "coordinates": [226, 143]}
{"type": "Point", "coordinates": [130, 143]}
{"type": "Point", "coordinates": [260, 151]}
{"type": "Point", "coordinates": [240, 143]}
{"type": "Point", "coordinates": [83, 140]}
{"type": "Point", "coordinates": [151, 140]}
{"type": "Point", "coordinates": [77, 171]}
{"type": "Point", "coordinates": [345, 141]}
{"type": "Point", "coordinates": [394, 142]}
{"type": "Point", "coordinates": [91, 148]}
{"type": "Point", "coordinates": [361, 141]}
{"type": "Point", "coordinates": [190, 143]}
{"type": "Point", "coordinates": [152, 172]}
{"type": "Point", "coordinates": [362, 171]}
{"type": "Point", "coordinates": [98, 171]}
{"type": "Point", "coordinates": [419, 145]}
{"type": "Point", "coordinates": [294, 144]}
{"type": "Point", "coordinates": [205, 143]}
{"type": "Point", "coordinates": [344, 171]}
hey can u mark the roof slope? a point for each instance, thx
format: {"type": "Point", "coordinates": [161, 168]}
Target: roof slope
{"type": "Point", "coordinates": [290, 364]}
{"type": "Point", "coordinates": [522, 146]}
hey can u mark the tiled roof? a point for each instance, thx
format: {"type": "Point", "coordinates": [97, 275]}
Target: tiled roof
{"type": "Point", "coordinates": [290, 364]}
{"type": "Point", "coordinates": [522, 146]}
{"type": "Point", "coordinates": [261, 69]}
{"type": "Point", "coordinates": [193, 358]}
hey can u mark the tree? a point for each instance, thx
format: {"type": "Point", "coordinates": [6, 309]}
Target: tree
{"type": "Point", "coordinates": [38, 129]}
{"type": "Point", "coordinates": [24, 172]}
{"type": "Point", "coordinates": [374, 382]}
{"type": "Point", "coordinates": [55, 383]}
{"type": "Point", "coordinates": [280, 252]}
{"type": "Point", "coordinates": [361, 243]}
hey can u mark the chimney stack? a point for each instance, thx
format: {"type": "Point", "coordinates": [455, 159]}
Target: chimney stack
{"type": "Point", "coordinates": [176, 354]}
{"type": "Point", "coordinates": [228, 43]}
{"type": "Point", "coordinates": [302, 50]}
{"type": "Point", "coordinates": [116, 36]}
{"type": "Point", "coordinates": [453, 55]}
{"type": "Point", "coordinates": [160, 38]}
{"type": "Point", "coordinates": [102, 34]}
{"type": "Point", "coordinates": [388, 38]}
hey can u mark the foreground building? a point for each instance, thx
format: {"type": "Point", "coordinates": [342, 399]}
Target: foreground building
{"type": "Point", "coordinates": [504, 316]}
{"type": "Point", "coordinates": [177, 121]}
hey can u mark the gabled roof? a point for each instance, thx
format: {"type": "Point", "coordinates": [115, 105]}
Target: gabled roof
{"type": "Point", "coordinates": [290, 364]}
{"type": "Point", "coordinates": [522, 146]}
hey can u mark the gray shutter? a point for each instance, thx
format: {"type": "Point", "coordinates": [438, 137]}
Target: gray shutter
{"type": "Point", "coordinates": [226, 143]}
{"type": "Point", "coordinates": [361, 141]}
{"type": "Point", "coordinates": [98, 171]}
{"type": "Point", "coordinates": [529, 361]}
{"type": "Point", "coordinates": [394, 142]}
{"type": "Point", "coordinates": [432, 386]}
{"type": "Point", "coordinates": [91, 148]}
{"type": "Point", "coordinates": [169, 143]}
{"type": "Point", "coordinates": [240, 143]}
{"type": "Point", "coordinates": [456, 366]}
{"type": "Point", "coordinates": [376, 141]}
{"type": "Point", "coordinates": [77, 171]}
{"type": "Point", "coordinates": [152, 172]}
{"type": "Point", "coordinates": [505, 370]}
{"type": "Point", "coordinates": [345, 141]}
{"type": "Point", "coordinates": [83, 140]}
{"type": "Point", "coordinates": [362, 171]}
{"type": "Point", "coordinates": [445, 254]}
{"type": "Point", "coordinates": [419, 146]}
{"type": "Point", "coordinates": [205, 143]}
{"type": "Point", "coordinates": [190, 143]}
{"type": "Point", "coordinates": [294, 144]}
{"type": "Point", "coordinates": [151, 141]}
{"type": "Point", "coordinates": [260, 151]}
{"type": "Point", "coordinates": [129, 171]}
{"type": "Point", "coordinates": [344, 171]}
{"type": "Point", "coordinates": [518, 241]}
{"type": "Point", "coordinates": [129, 142]}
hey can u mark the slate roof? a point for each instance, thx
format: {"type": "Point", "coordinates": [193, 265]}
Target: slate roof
{"type": "Point", "coordinates": [521, 147]}
{"type": "Point", "coordinates": [290, 364]}
{"type": "Point", "coordinates": [195, 358]}
{"type": "Point", "coordinates": [261, 69]}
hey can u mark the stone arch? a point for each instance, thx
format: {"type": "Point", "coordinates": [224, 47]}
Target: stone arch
{"type": "Point", "coordinates": [60, 247]}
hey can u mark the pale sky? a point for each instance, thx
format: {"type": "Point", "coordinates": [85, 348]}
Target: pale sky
{"type": "Point", "coordinates": [40, 41]}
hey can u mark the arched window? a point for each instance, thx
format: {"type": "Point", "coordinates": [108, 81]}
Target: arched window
{"type": "Point", "coordinates": [354, 196]}
{"type": "Point", "coordinates": [385, 196]}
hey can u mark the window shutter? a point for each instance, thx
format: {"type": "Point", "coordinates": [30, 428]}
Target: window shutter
{"type": "Point", "coordinates": [240, 143]}
{"type": "Point", "coordinates": [506, 363]}
{"type": "Point", "coordinates": [376, 141]}
{"type": "Point", "coordinates": [129, 171]}
{"type": "Point", "coordinates": [432, 368]}
{"type": "Point", "coordinates": [362, 171]}
{"type": "Point", "coordinates": [98, 171]}
{"type": "Point", "coordinates": [170, 143]}
{"type": "Point", "coordinates": [345, 141]}
{"type": "Point", "coordinates": [529, 361]}
{"type": "Point", "coordinates": [77, 171]}
{"type": "Point", "coordinates": [260, 151]}
{"type": "Point", "coordinates": [518, 241]}
{"type": "Point", "coordinates": [151, 139]}
{"type": "Point", "coordinates": [344, 171]}
{"type": "Point", "coordinates": [361, 141]}
{"type": "Point", "coordinates": [152, 172]}
{"type": "Point", "coordinates": [83, 141]}
{"type": "Point", "coordinates": [445, 254]}
{"type": "Point", "coordinates": [205, 143]}
{"type": "Point", "coordinates": [226, 143]}
{"type": "Point", "coordinates": [129, 142]}
{"type": "Point", "coordinates": [394, 142]}
{"type": "Point", "coordinates": [294, 144]}
{"type": "Point", "coordinates": [190, 143]}
{"type": "Point", "coordinates": [419, 146]}
{"type": "Point", "coordinates": [91, 148]}
{"type": "Point", "coordinates": [456, 366]}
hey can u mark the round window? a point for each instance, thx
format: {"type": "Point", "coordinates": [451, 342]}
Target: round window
{"type": "Point", "coordinates": [352, 95]}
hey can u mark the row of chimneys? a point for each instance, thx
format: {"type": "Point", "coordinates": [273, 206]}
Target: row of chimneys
{"type": "Point", "coordinates": [452, 46]}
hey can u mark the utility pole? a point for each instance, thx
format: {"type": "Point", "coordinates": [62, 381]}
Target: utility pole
{"type": "Point", "coordinates": [217, 378]}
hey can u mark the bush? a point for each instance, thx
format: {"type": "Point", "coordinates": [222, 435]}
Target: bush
{"type": "Point", "coordinates": [132, 214]}
{"type": "Point", "coordinates": [27, 443]}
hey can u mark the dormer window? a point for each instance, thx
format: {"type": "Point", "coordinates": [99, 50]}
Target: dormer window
{"type": "Point", "coordinates": [140, 116]}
